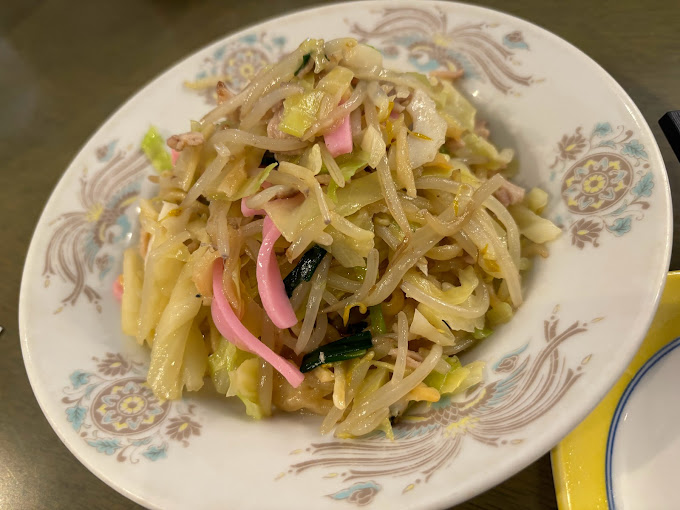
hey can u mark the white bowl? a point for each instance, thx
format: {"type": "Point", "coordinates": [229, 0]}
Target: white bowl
{"type": "Point", "coordinates": [588, 306]}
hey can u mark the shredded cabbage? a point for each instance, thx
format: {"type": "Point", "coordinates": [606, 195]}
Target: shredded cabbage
{"type": "Point", "coordinates": [428, 132]}
{"type": "Point", "coordinates": [243, 383]}
{"type": "Point", "coordinates": [536, 200]}
{"type": "Point", "coordinates": [153, 145]}
{"type": "Point", "coordinates": [300, 111]}
{"type": "Point", "coordinates": [532, 226]}
{"type": "Point", "coordinates": [236, 372]}
{"type": "Point", "coordinates": [458, 379]}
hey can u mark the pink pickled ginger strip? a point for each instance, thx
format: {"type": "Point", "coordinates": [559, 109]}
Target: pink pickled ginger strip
{"type": "Point", "coordinates": [175, 155]}
{"type": "Point", "coordinates": [231, 328]}
{"type": "Point", "coordinates": [269, 281]}
{"type": "Point", "coordinates": [339, 140]}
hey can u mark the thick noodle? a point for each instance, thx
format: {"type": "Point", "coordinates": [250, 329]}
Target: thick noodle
{"type": "Point", "coordinates": [508, 222]}
{"type": "Point", "coordinates": [402, 347]}
{"type": "Point", "coordinates": [388, 394]}
{"type": "Point", "coordinates": [313, 303]}
{"type": "Point", "coordinates": [242, 138]}
{"type": "Point", "coordinates": [270, 77]}
{"type": "Point", "coordinates": [391, 198]}
{"type": "Point", "coordinates": [332, 166]}
{"type": "Point", "coordinates": [268, 102]}
{"type": "Point", "coordinates": [208, 176]}
{"type": "Point", "coordinates": [319, 332]}
{"type": "Point", "coordinates": [224, 109]}
{"type": "Point", "coordinates": [358, 298]}
{"type": "Point", "coordinates": [509, 271]}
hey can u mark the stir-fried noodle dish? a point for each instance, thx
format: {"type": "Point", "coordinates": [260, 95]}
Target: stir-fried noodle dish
{"type": "Point", "coordinates": [329, 240]}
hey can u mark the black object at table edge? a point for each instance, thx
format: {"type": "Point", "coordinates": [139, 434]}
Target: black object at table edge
{"type": "Point", "coordinates": [670, 125]}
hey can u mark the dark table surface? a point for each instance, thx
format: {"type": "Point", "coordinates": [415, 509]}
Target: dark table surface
{"type": "Point", "coordinates": [66, 65]}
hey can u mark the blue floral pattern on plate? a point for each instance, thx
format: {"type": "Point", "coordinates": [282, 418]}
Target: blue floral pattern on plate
{"type": "Point", "coordinates": [236, 63]}
{"type": "Point", "coordinates": [359, 494]}
{"type": "Point", "coordinates": [606, 180]}
{"type": "Point", "coordinates": [114, 411]}
{"type": "Point", "coordinates": [84, 240]}
{"type": "Point", "coordinates": [430, 43]}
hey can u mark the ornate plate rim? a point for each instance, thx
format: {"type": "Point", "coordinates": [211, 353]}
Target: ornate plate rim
{"type": "Point", "coordinates": [544, 441]}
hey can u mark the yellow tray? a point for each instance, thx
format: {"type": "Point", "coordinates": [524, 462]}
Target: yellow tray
{"type": "Point", "coordinates": [578, 462]}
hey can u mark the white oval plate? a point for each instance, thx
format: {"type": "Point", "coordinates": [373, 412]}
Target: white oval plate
{"type": "Point", "coordinates": [577, 134]}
